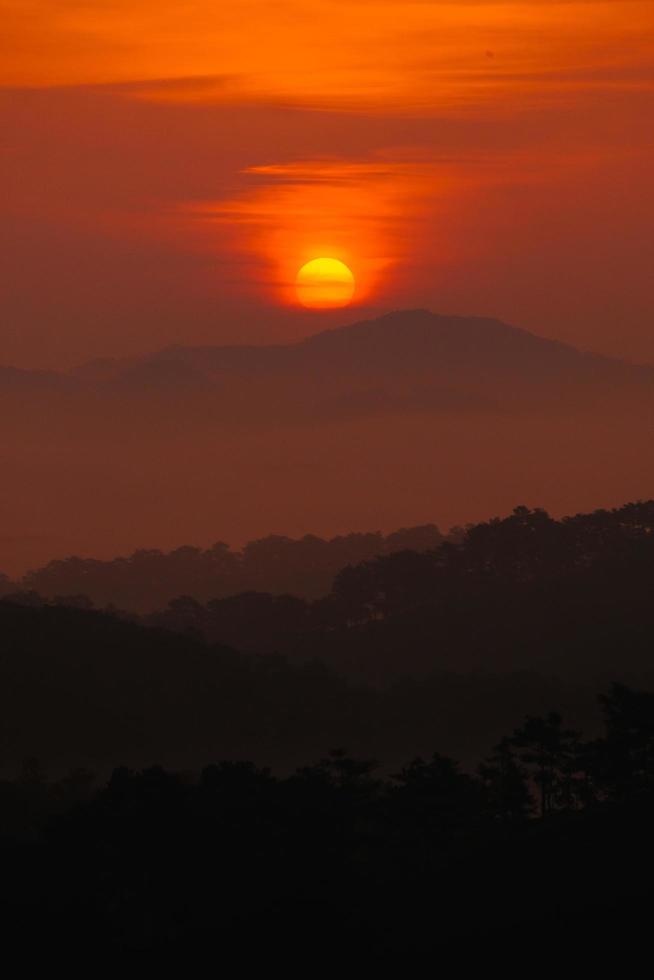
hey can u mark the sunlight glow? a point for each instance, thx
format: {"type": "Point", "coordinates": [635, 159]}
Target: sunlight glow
{"type": "Point", "coordinates": [325, 283]}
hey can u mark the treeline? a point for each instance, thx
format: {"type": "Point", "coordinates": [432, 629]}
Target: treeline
{"type": "Point", "coordinates": [552, 833]}
{"type": "Point", "coordinates": [570, 597]}
{"type": "Point", "coordinates": [543, 767]}
{"type": "Point", "coordinates": [148, 579]}
{"type": "Point", "coordinates": [277, 585]}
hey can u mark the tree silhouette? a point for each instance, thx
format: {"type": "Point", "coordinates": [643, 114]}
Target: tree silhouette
{"type": "Point", "coordinates": [623, 761]}
{"type": "Point", "coordinates": [506, 784]}
{"type": "Point", "coordinates": [438, 795]}
{"type": "Point", "coordinates": [550, 753]}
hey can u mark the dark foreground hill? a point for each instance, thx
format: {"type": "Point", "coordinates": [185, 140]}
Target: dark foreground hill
{"type": "Point", "coordinates": [544, 846]}
{"type": "Point", "coordinates": [408, 651]}
{"type": "Point", "coordinates": [569, 598]}
{"type": "Point", "coordinates": [83, 688]}
{"type": "Point", "coordinates": [528, 574]}
{"type": "Point", "coordinates": [547, 848]}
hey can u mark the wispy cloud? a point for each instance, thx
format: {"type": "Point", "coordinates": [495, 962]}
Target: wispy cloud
{"type": "Point", "coordinates": [372, 213]}
{"type": "Point", "coordinates": [373, 55]}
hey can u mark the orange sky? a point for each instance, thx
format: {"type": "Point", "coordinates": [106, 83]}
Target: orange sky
{"type": "Point", "coordinates": [168, 168]}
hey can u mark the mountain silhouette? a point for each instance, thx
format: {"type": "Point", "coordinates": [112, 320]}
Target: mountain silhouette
{"type": "Point", "coordinates": [401, 361]}
{"type": "Point", "coordinates": [415, 341]}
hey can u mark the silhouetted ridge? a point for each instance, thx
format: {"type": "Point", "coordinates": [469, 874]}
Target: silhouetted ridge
{"type": "Point", "coordinates": [472, 356]}
{"type": "Point", "coordinates": [415, 340]}
{"type": "Point", "coordinates": [545, 845]}
{"type": "Point", "coordinates": [148, 579]}
{"type": "Point", "coordinates": [568, 598]}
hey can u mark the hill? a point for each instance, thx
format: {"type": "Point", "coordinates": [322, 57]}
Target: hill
{"type": "Point", "coordinates": [568, 598]}
{"type": "Point", "coordinates": [80, 688]}
{"type": "Point", "coordinates": [147, 579]}
{"type": "Point", "coordinates": [409, 359]}
{"type": "Point", "coordinates": [409, 650]}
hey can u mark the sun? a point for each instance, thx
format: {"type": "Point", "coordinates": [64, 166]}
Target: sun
{"type": "Point", "coordinates": [324, 284]}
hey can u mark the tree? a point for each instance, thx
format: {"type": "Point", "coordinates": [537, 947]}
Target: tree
{"type": "Point", "coordinates": [506, 784]}
{"type": "Point", "coordinates": [550, 753]}
{"type": "Point", "coordinates": [623, 761]}
{"type": "Point", "coordinates": [437, 795]}
{"type": "Point", "coordinates": [342, 772]}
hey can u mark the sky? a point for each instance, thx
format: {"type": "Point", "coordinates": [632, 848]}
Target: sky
{"type": "Point", "coordinates": [167, 168]}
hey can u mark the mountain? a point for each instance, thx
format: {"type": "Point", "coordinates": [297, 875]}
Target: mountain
{"type": "Point", "coordinates": [412, 342]}
{"type": "Point", "coordinates": [410, 359]}
{"type": "Point", "coordinates": [406, 360]}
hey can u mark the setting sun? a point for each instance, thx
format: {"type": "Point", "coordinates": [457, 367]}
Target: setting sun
{"type": "Point", "coordinates": [324, 284]}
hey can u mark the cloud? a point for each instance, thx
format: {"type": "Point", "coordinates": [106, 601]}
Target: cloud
{"type": "Point", "coordinates": [375, 213]}
{"type": "Point", "coordinates": [363, 55]}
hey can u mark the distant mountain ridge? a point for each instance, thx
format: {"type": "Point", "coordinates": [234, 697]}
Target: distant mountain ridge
{"type": "Point", "coordinates": [414, 340]}
{"type": "Point", "coordinates": [404, 358]}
